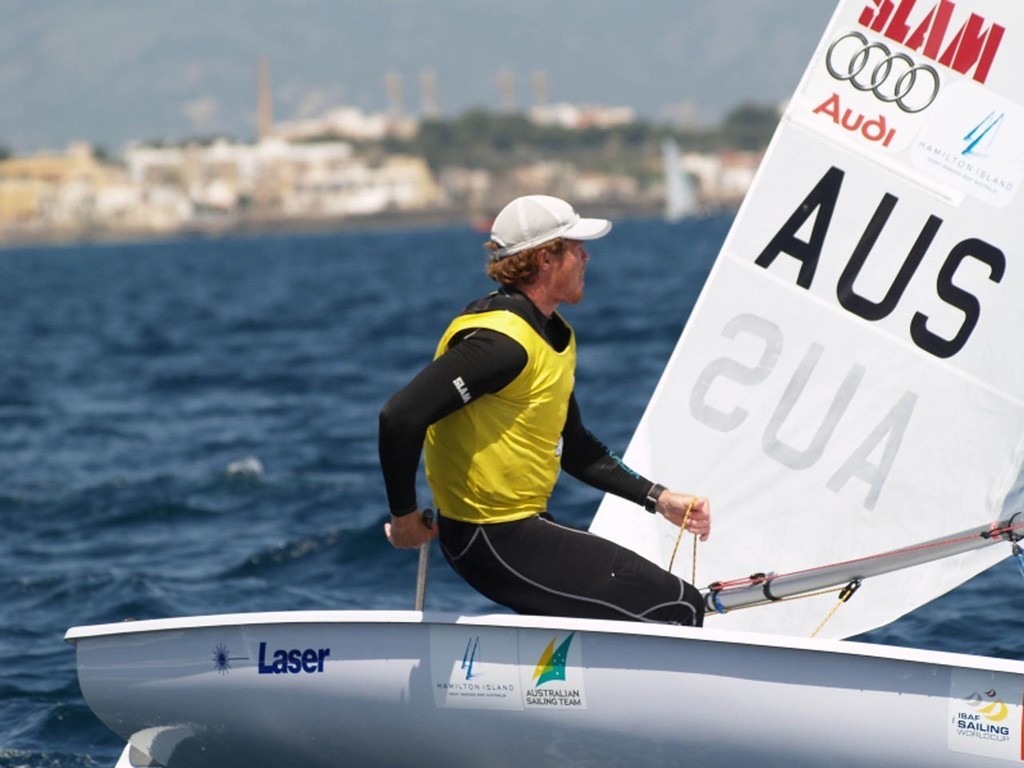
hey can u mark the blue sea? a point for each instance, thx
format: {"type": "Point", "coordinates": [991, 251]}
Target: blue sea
{"type": "Point", "coordinates": [190, 427]}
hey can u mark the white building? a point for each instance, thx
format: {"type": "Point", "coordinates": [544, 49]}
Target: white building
{"type": "Point", "coordinates": [275, 177]}
{"type": "Point", "coordinates": [574, 117]}
{"type": "Point", "coordinates": [348, 123]}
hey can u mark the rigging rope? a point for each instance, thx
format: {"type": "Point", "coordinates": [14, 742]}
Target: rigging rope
{"type": "Point", "coordinates": [845, 595]}
{"type": "Point", "coordinates": [679, 537]}
{"type": "Point", "coordinates": [1011, 530]}
{"type": "Point", "coordinates": [1008, 531]}
{"type": "Point", "coordinates": [776, 601]}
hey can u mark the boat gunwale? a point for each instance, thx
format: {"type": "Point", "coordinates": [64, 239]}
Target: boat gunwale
{"type": "Point", "coordinates": [76, 634]}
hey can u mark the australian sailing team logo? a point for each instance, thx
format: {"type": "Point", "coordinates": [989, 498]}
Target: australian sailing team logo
{"type": "Point", "coordinates": [551, 664]}
{"type": "Point", "coordinates": [551, 685]}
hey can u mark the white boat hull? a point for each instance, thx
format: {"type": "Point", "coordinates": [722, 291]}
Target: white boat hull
{"type": "Point", "coordinates": [365, 689]}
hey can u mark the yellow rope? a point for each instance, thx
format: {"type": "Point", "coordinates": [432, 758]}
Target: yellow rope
{"type": "Point", "coordinates": [679, 537]}
{"type": "Point", "coordinates": [693, 574]}
{"type": "Point", "coordinates": [844, 595]}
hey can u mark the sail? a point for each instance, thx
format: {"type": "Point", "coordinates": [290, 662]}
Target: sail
{"type": "Point", "coordinates": [680, 191]}
{"type": "Point", "coordinates": [851, 380]}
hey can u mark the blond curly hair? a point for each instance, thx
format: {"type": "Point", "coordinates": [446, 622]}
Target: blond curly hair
{"type": "Point", "coordinates": [520, 268]}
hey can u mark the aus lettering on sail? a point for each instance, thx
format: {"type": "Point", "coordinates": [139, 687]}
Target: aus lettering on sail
{"type": "Point", "coordinates": [818, 208]}
{"type": "Point", "coordinates": [938, 32]}
{"type": "Point", "coordinates": [869, 448]}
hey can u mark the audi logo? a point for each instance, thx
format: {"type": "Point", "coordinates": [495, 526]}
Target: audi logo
{"type": "Point", "coordinates": [893, 77]}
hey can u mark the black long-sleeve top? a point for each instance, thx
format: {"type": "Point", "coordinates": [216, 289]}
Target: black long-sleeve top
{"type": "Point", "coordinates": [486, 361]}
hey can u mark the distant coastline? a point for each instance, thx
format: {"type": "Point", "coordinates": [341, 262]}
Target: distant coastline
{"type": "Point", "coordinates": [14, 238]}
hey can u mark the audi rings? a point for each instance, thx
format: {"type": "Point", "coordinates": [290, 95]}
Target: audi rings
{"type": "Point", "coordinates": [892, 77]}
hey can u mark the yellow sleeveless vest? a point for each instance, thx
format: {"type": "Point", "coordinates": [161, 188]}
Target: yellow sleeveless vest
{"type": "Point", "coordinates": [497, 459]}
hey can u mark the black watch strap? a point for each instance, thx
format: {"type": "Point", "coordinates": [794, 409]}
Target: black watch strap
{"type": "Point", "coordinates": [651, 501]}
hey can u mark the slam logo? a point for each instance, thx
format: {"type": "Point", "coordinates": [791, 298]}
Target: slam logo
{"type": "Point", "coordinates": [933, 30]}
{"type": "Point", "coordinates": [550, 681]}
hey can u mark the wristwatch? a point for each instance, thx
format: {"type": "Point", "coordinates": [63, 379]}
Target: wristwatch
{"type": "Point", "coordinates": [651, 502]}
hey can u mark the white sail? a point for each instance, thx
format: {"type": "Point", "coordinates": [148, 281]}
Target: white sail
{"type": "Point", "coordinates": [680, 191]}
{"type": "Point", "coordinates": [850, 380]}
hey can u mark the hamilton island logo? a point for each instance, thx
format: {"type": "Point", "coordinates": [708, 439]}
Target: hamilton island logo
{"type": "Point", "coordinates": [972, 145]}
{"type": "Point", "coordinates": [469, 658]}
{"type": "Point", "coordinates": [477, 679]}
{"type": "Point", "coordinates": [222, 659]}
{"type": "Point", "coordinates": [979, 140]}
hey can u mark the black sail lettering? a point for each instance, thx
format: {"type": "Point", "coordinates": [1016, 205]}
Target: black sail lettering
{"type": "Point", "coordinates": [821, 203]}
{"type": "Point", "coordinates": [876, 310]}
{"type": "Point", "coordinates": [957, 297]}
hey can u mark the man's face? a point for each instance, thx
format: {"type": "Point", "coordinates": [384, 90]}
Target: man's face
{"type": "Point", "coordinates": [567, 274]}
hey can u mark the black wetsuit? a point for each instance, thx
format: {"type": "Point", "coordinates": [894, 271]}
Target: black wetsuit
{"type": "Point", "coordinates": [534, 565]}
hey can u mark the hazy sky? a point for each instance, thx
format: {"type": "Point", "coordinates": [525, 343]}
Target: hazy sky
{"type": "Point", "coordinates": [110, 71]}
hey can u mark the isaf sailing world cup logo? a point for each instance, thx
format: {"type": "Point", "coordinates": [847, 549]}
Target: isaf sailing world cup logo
{"type": "Point", "coordinates": [984, 717]}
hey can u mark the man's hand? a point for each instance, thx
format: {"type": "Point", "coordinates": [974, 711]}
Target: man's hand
{"type": "Point", "coordinates": [673, 507]}
{"type": "Point", "coordinates": [410, 531]}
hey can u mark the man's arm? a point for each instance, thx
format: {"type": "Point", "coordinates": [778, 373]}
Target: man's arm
{"type": "Point", "coordinates": [477, 363]}
{"type": "Point", "coordinates": [587, 459]}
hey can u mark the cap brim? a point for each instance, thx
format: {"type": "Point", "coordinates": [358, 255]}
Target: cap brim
{"type": "Point", "coordinates": [587, 229]}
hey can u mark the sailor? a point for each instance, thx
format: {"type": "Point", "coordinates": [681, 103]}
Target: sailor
{"type": "Point", "coordinates": [495, 417]}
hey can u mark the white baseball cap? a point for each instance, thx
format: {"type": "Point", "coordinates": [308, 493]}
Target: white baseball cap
{"type": "Point", "coordinates": [533, 220]}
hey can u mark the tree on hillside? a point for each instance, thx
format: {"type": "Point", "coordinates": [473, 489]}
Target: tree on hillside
{"type": "Point", "coordinates": [749, 126]}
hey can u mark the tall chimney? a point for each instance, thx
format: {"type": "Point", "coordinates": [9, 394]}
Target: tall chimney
{"type": "Point", "coordinates": [393, 84]}
{"type": "Point", "coordinates": [540, 88]}
{"type": "Point", "coordinates": [428, 85]}
{"type": "Point", "coordinates": [265, 101]}
{"type": "Point", "coordinates": [507, 89]}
